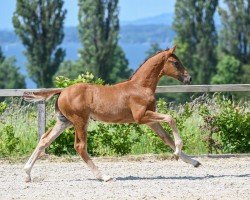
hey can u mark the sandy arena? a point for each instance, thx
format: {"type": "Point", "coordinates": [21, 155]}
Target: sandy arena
{"type": "Point", "coordinates": [150, 178]}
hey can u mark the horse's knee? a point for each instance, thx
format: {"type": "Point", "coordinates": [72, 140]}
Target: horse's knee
{"type": "Point", "coordinates": [44, 143]}
{"type": "Point", "coordinates": [79, 146]}
{"type": "Point", "coordinates": [171, 121]}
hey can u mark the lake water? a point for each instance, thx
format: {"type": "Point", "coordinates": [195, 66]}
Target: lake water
{"type": "Point", "coordinates": [135, 53]}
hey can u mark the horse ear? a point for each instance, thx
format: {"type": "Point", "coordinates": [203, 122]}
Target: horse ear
{"type": "Point", "coordinates": [172, 50]}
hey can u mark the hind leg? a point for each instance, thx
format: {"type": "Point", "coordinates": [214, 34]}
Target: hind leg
{"type": "Point", "coordinates": [81, 147]}
{"type": "Point", "coordinates": [46, 139]}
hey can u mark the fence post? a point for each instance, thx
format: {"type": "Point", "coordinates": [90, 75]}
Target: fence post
{"type": "Point", "coordinates": [41, 118]}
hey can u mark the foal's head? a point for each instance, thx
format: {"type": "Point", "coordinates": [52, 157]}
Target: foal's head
{"type": "Point", "coordinates": [174, 68]}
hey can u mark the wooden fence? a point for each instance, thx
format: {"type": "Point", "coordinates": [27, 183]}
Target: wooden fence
{"type": "Point", "coordinates": [41, 108]}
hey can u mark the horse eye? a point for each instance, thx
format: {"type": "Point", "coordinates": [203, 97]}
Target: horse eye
{"type": "Point", "coordinates": [176, 64]}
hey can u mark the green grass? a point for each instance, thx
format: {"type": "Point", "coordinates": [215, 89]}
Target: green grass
{"type": "Point", "coordinates": [193, 136]}
{"type": "Point", "coordinates": [22, 118]}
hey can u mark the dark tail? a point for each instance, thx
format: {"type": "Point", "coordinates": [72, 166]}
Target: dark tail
{"type": "Point", "coordinates": [42, 95]}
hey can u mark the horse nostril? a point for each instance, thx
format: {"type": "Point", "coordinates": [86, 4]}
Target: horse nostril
{"type": "Point", "coordinates": [190, 79]}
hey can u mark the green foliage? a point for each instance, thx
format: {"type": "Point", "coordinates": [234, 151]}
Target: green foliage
{"type": "Point", "coordinates": [229, 70]}
{"type": "Point", "coordinates": [63, 82]}
{"type": "Point", "coordinates": [64, 144]}
{"type": "Point", "coordinates": [8, 142]}
{"type": "Point", "coordinates": [196, 37]}
{"type": "Point", "coordinates": [181, 114]}
{"type": "Point", "coordinates": [120, 70]}
{"type": "Point", "coordinates": [98, 31]}
{"type": "Point", "coordinates": [111, 139]}
{"type": "Point", "coordinates": [10, 76]}
{"type": "Point", "coordinates": [154, 48]}
{"type": "Point", "coordinates": [210, 128]}
{"type": "Point", "coordinates": [234, 127]}
{"type": "Point", "coordinates": [235, 33]}
{"type": "Point", "coordinates": [246, 75]}
{"type": "Point", "coordinates": [2, 58]}
{"type": "Point", "coordinates": [17, 128]}
{"type": "Point", "coordinates": [103, 139]}
{"type": "Point", "coordinates": [39, 24]}
{"type": "Point", "coordinates": [3, 107]}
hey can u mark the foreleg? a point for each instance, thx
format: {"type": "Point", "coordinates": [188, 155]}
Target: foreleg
{"type": "Point", "coordinates": [158, 129]}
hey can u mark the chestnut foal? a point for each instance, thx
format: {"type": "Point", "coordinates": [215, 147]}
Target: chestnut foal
{"type": "Point", "coordinates": [132, 101]}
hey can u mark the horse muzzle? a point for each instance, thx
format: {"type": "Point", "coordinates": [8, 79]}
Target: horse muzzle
{"type": "Point", "coordinates": [186, 80]}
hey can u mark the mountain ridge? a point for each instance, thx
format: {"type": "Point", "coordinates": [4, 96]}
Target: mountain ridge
{"type": "Point", "coordinates": [150, 33]}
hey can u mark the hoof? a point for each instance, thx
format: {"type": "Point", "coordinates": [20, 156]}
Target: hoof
{"type": "Point", "coordinates": [106, 178]}
{"type": "Point", "coordinates": [28, 179]}
{"type": "Point", "coordinates": [175, 157]}
{"type": "Point", "coordinates": [197, 164]}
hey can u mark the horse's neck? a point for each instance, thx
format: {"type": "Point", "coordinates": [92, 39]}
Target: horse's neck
{"type": "Point", "coordinates": [148, 74]}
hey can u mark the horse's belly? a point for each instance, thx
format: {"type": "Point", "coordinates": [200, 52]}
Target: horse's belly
{"type": "Point", "coordinates": [124, 116]}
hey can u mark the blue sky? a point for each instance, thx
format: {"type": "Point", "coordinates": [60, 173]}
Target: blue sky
{"type": "Point", "coordinates": [129, 10]}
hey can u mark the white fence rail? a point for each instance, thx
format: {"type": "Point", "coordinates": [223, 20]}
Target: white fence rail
{"type": "Point", "coordinates": [204, 88]}
{"type": "Point", "coordinates": [41, 108]}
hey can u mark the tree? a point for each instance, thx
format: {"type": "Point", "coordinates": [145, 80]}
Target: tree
{"type": "Point", "coordinates": [246, 75]}
{"type": "Point", "coordinates": [98, 31]}
{"type": "Point", "coordinates": [9, 75]}
{"type": "Point", "coordinates": [196, 37]}
{"type": "Point", "coordinates": [120, 70]}
{"type": "Point", "coordinates": [39, 24]}
{"type": "Point", "coordinates": [235, 33]}
{"type": "Point", "coordinates": [70, 69]}
{"type": "Point", "coordinates": [154, 48]}
{"type": "Point", "coordinates": [229, 70]}
{"type": "Point", "coordinates": [1, 56]}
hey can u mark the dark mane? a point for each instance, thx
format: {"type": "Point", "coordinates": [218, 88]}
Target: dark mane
{"type": "Point", "coordinates": [146, 61]}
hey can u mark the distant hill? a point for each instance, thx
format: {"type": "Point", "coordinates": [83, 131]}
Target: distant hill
{"type": "Point", "coordinates": [146, 33]}
{"type": "Point", "coordinates": [166, 19]}
{"type": "Point", "coordinates": [128, 34]}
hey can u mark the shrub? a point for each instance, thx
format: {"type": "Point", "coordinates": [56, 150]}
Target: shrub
{"type": "Point", "coordinates": [3, 107]}
{"type": "Point", "coordinates": [17, 123]}
{"type": "Point", "coordinates": [233, 122]}
{"type": "Point", "coordinates": [8, 143]}
{"type": "Point", "coordinates": [64, 144]}
{"type": "Point", "coordinates": [209, 127]}
{"type": "Point", "coordinates": [229, 70]}
{"type": "Point", "coordinates": [116, 139]}
{"type": "Point", "coordinates": [181, 114]}
{"type": "Point", "coordinates": [63, 82]}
